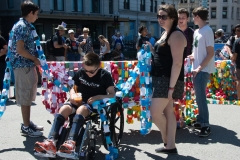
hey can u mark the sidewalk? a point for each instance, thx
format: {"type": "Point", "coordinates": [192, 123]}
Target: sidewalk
{"type": "Point", "coordinates": [222, 144]}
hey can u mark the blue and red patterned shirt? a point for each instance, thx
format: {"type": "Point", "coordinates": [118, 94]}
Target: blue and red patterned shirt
{"type": "Point", "coordinates": [24, 31]}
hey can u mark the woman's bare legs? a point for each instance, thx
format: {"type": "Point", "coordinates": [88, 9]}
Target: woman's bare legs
{"type": "Point", "coordinates": [171, 125]}
{"type": "Point", "coordinates": [159, 119]}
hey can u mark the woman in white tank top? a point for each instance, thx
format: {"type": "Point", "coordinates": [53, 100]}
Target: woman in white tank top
{"type": "Point", "coordinates": [104, 48]}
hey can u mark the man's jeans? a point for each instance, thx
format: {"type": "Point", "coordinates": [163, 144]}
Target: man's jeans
{"type": "Point", "coordinates": [73, 56]}
{"type": "Point", "coordinates": [200, 84]}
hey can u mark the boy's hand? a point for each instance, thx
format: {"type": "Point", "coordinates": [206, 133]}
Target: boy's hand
{"type": "Point", "coordinates": [92, 99]}
{"type": "Point", "coordinates": [191, 58]}
{"type": "Point", "coordinates": [72, 100]}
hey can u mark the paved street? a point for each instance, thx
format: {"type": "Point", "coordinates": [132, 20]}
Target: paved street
{"type": "Point", "coordinates": [222, 144]}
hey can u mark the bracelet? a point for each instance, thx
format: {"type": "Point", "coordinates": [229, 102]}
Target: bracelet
{"type": "Point", "coordinates": [171, 88]}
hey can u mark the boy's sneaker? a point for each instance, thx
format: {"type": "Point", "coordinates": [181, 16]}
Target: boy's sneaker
{"type": "Point", "coordinates": [205, 131]}
{"type": "Point", "coordinates": [30, 131]}
{"type": "Point", "coordinates": [197, 125]}
{"type": "Point", "coordinates": [67, 147]}
{"type": "Point", "coordinates": [37, 127]}
{"type": "Point", "coordinates": [67, 150]}
{"type": "Point", "coordinates": [46, 148]}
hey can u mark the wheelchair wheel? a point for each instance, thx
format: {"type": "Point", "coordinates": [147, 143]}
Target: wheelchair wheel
{"type": "Point", "coordinates": [116, 124]}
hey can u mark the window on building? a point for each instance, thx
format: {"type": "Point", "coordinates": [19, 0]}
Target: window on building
{"type": "Point", "coordinates": [213, 28]}
{"type": "Point", "coordinates": [95, 6]}
{"type": "Point", "coordinates": [39, 28]}
{"type": "Point", "coordinates": [155, 7]}
{"type": "Point", "coordinates": [224, 27]}
{"type": "Point", "coordinates": [192, 1]}
{"type": "Point", "coordinates": [224, 0]}
{"type": "Point", "coordinates": [10, 4]}
{"type": "Point", "coordinates": [214, 0]}
{"type": "Point", "coordinates": [232, 12]}
{"type": "Point", "coordinates": [224, 12]}
{"type": "Point", "coordinates": [57, 5]}
{"type": "Point", "coordinates": [237, 16]}
{"type": "Point", "coordinates": [213, 12]}
{"type": "Point", "coordinates": [142, 5]}
{"type": "Point", "coordinates": [77, 5]}
{"type": "Point", "coordinates": [126, 4]}
{"type": "Point", "coordinates": [110, 6]}
{"type": "Point", "coordinates": [37, 2]}
{"type": "Point", "coordinates": [151, 6]}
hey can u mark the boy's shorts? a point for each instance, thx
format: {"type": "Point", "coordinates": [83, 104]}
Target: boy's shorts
{"type": "Point", "coordinates": [26, 80]}
{"type": "Point", "coordinates": [74, 107]}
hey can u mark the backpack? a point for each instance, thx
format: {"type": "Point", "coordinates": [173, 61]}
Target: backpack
{"type": "Point", "coordinates": [49, 43]}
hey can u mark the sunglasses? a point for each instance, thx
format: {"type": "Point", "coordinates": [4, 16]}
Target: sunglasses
{"type": "Point", "coordinates": [238, 30]}
{"type": "Point", "coordinates": [92, 72]}
{"type": "Point", "coordinates": [163, 17]}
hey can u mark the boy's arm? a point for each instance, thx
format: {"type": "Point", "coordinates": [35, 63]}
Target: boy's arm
{"type": "Point", "coordinates": [210, 54]}
{"type": "Point", "coordinates": [111, 94]}
{"type": "Point", "coordinates": [24, 53]}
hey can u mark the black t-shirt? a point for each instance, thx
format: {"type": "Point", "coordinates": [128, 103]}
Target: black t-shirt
{"type": "Point", "coordinates": [92, 86]}
{"type": "Point", "coordinates": [58, 51]}
{"type": "Point", "coordinates": [236, 49]}
{"type": "Point", "coordinates": [142, 40]}
{"type": "Point", "coordinates": [2, 43]}
{"type": "Point", "coordinates": [73, 44]}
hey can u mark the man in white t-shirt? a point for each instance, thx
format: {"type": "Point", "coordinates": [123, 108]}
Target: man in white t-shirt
{"type": "Point", "coordinates": [203, 65]}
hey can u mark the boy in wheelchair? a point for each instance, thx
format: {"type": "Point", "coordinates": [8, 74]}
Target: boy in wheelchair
{"type": "Point", "coordinates": [94, 83]}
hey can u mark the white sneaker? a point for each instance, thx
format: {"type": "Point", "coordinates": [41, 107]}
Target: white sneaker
{"type": "Point", "coordinates": [30, 131]}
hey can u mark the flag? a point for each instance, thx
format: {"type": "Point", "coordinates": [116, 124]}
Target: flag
{"type": "Point", "coordinates": [64, 24]}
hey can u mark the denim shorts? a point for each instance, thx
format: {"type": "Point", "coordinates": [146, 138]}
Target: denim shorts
{"type": "Point", "coordinates": [161, 87]}
{"type": "Point", "coordinates": [74, 107]}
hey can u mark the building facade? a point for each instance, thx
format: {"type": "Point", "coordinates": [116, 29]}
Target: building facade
{"type": "Point", "coordinates": [222, 13]}
{"type": "Point", "coordinates": [100, 16]}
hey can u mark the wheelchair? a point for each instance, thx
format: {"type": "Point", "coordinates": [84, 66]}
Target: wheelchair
{"type": "Point", "coordinates": [86, 142]}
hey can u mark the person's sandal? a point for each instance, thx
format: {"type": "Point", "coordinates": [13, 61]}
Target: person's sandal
{"type": "Point", "coordinates": [167, 151]}
{"type": "Point", "coordinates": [159, 149]}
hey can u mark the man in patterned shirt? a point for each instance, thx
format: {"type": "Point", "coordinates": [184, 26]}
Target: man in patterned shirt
{"type": "Point", "coordinates": [23, 60]}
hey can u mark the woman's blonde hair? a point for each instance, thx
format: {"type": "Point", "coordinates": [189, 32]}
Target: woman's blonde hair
{"type": "Point", "coordinates": [86, 29]}
{"type": "Point", "coordinates": [102, 38]}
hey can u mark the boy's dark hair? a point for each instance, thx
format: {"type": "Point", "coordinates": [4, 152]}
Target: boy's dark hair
{"type": "Point", "coordinates": [183, 10]}
{"type": "Point", "coordinates": [91, 59]}
{"type": "Point", "coordinates": [140, 29]}
{"type": "Point", "coordinates": [201, 12]}
{"type": "Point", "coordinates": [28, 7]}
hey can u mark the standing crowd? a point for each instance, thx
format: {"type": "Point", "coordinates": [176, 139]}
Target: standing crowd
{"type": "Point", "coordinates": [176, 43]}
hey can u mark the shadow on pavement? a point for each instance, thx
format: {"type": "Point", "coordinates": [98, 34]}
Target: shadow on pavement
{"type": "Point", "coordinates": [127, 147]}
{"type": "Point", "coordinates": [28, 143]}
{"type": "Point", "coordinates": [131, 140]}
{"type": "Point", "coordinates": [218, 134]}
